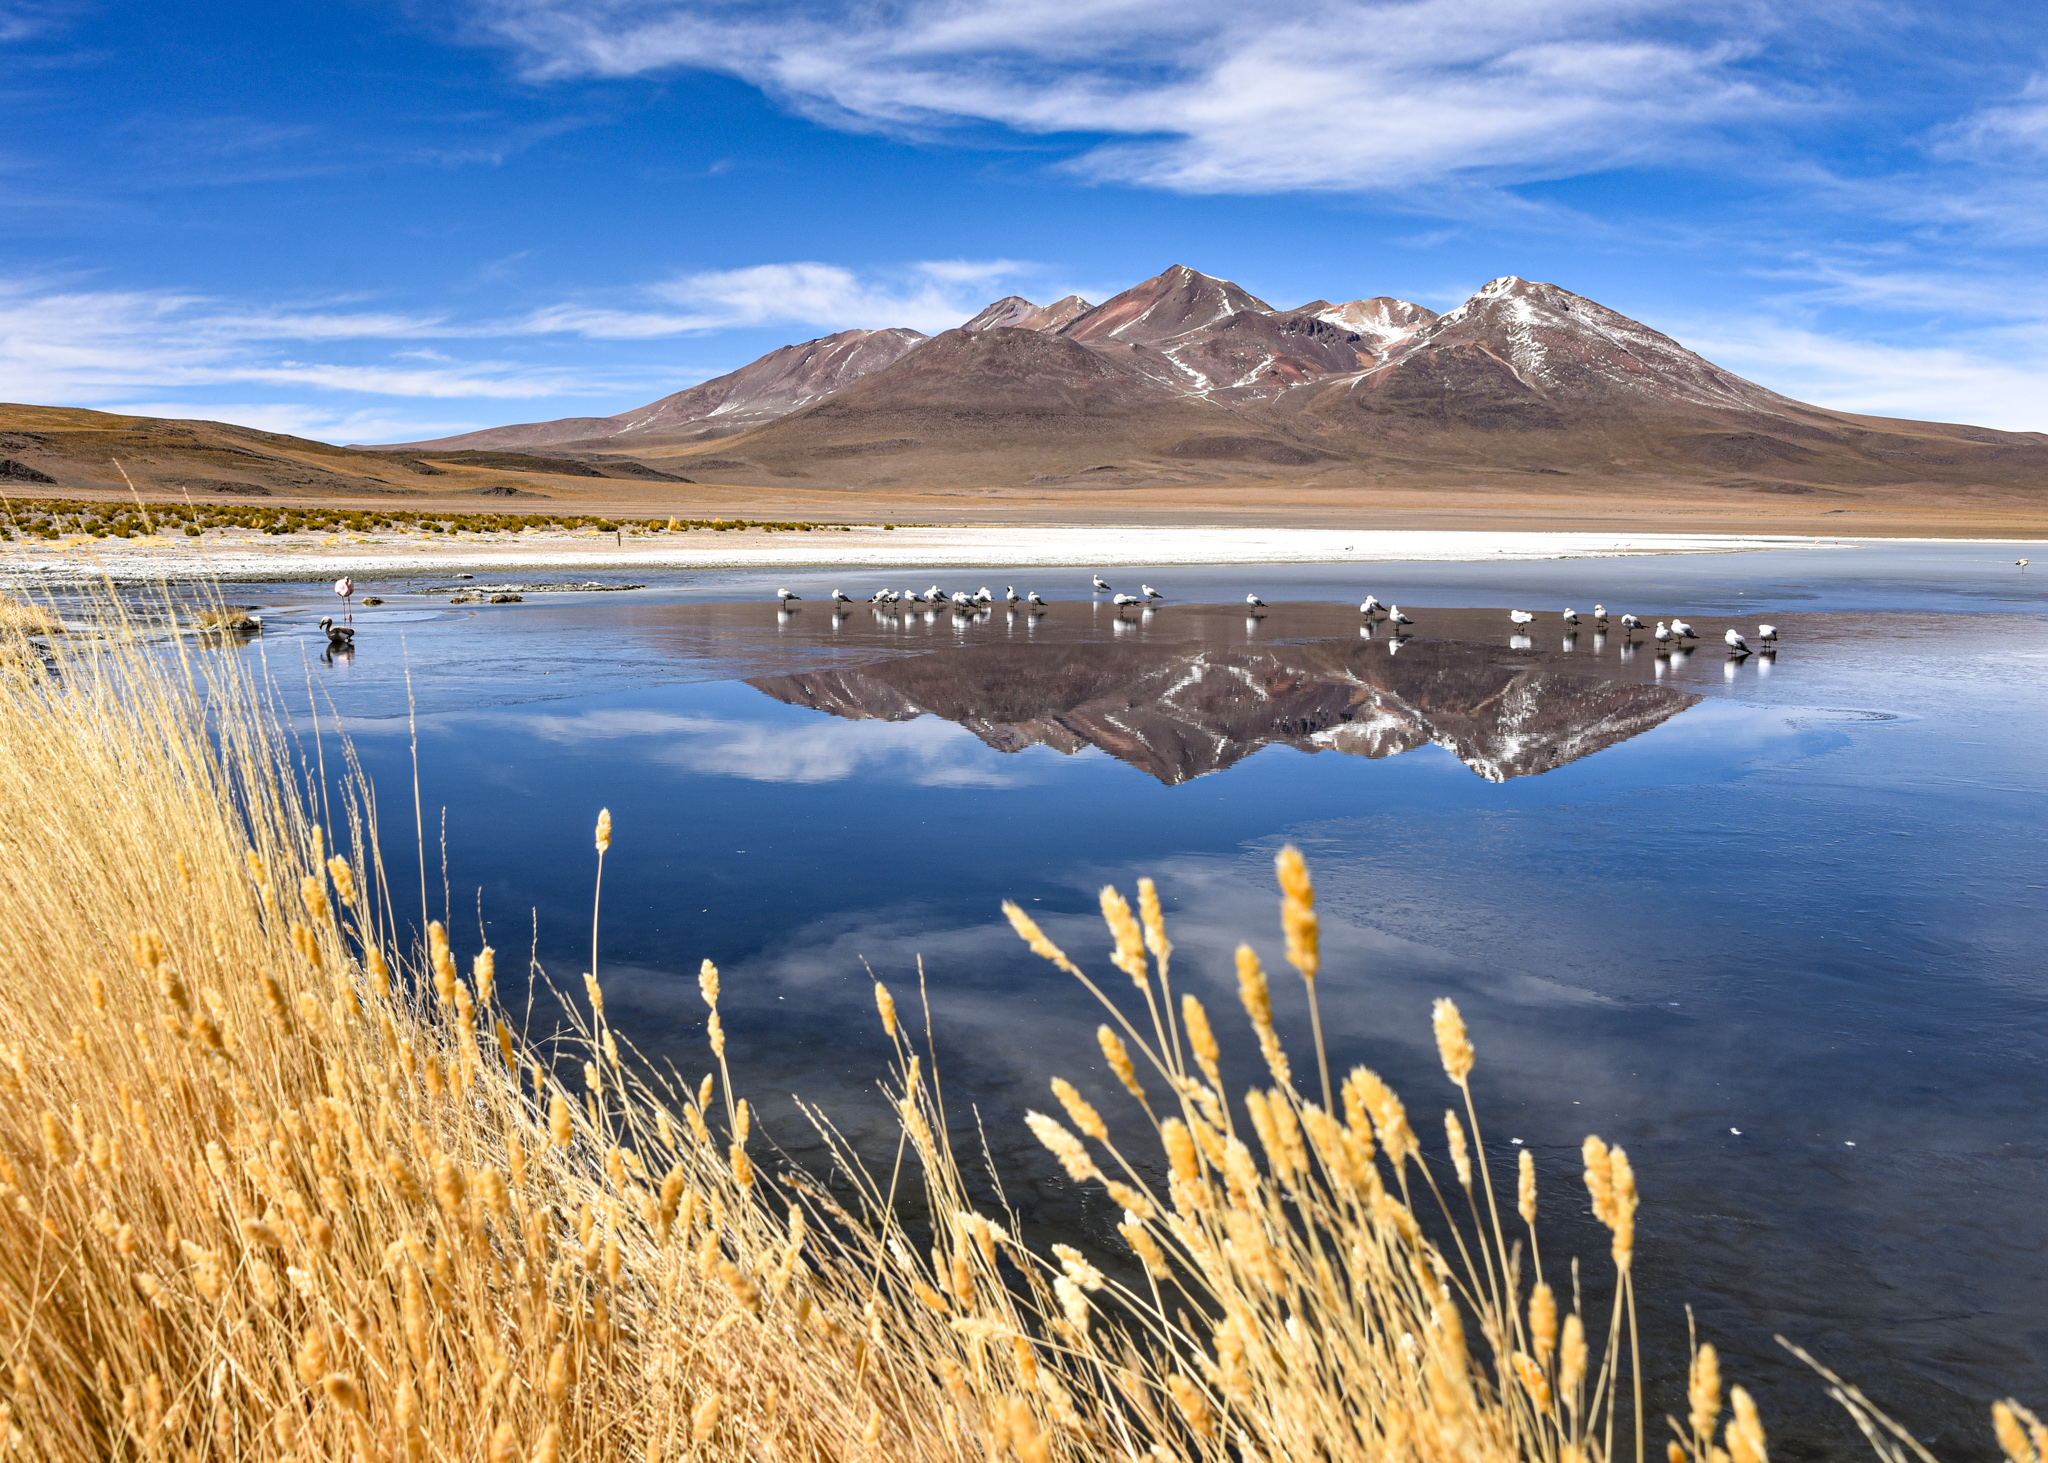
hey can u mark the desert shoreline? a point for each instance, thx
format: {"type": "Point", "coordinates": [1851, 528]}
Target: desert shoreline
{"type": "Point", "coordinates": [257, 560]}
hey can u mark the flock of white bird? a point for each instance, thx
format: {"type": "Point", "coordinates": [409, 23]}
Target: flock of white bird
{"type": "Point", "coordinates": [1676, 633]}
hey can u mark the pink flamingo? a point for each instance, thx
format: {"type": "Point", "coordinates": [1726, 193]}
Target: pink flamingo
{"type": "Point", "coordinates": [345, 587]}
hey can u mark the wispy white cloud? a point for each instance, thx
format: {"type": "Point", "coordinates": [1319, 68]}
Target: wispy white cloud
{"type": "Point", "coordinates": [1209, 95]}
{"type": "Point", "coordinates": [1962, 378]}
{"type": "Point", "coordinates": [930, 296]}
{"type": "Point", "coordinates": [2003, 130]}
{"type": "Point", "coordinates": [63, 343]}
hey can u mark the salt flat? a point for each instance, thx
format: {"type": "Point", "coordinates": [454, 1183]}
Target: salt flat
{"type": "Point", "coordinates": [251, 557]}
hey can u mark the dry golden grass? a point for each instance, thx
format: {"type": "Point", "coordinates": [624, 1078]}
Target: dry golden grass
{"type": "Point", "coordinates": [273, 1191]}
{"type": "Point", "coordinates": [25, 618]}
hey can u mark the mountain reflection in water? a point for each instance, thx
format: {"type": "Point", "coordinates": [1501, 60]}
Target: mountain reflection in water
{"type": "Point", "coordinates": [1179, 711]}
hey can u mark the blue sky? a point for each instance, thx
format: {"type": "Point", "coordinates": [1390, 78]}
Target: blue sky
{"type": "Point", "coordinates": [368, 220]}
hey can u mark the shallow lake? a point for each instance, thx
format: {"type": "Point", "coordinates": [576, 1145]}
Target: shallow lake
{"type": "Point", "coordinates": [1774, 923]}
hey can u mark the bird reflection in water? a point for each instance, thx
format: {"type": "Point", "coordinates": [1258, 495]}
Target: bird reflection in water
{"type": "Point", "coordinates": [1571, 642]}
{"type": "Point", "coordinates": [1599, 641]}
{"type": "Point", "coordinates": [1520, 642]}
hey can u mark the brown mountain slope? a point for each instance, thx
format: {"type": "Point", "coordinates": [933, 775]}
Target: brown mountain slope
{"type": "Point", "coordinates": [777, 384]}
{"type": "Point", "coordinates": [962, 401]}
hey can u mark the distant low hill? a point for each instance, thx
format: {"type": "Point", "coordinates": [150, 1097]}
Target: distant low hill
{"type": "Point", "coordinates": [1188, 378]}
{"type": "Point", "coordinates": [46, 451]}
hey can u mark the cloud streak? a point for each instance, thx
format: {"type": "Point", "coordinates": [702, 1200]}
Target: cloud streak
{"type": "Point", "coordinates": [1204, 96]}
{"type": "Point", "coordinates": [930, 296]}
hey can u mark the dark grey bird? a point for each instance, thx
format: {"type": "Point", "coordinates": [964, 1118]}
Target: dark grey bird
{"type": "Point", "coordinates": [340, 637]}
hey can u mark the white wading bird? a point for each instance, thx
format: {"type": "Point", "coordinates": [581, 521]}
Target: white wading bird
{"type": "Point", "coordinates": [1768, 634]}
{"type": "Point", "coordinates": [1150, 592]}
{"type": "Point", "coordinates": [1394, 614]}
{"type": "Point", "coordinates": [786, 595]}
{"type": "Point", "coordinates": [1683, 629]}
{"type": "Point", "coordinates": [1034, 599]}
{"type": "Point", "coordinates": [983, 597]}
{"type": "Point", "coordinates": [1521, 617]}
{"type": "Point", "coordinates": [1571, 616]}
{"type": "Point", "coordinates": [1663, 636]}
{"type": "Point", "coordinates": [1736, 644]}
{"type": "Point", "coordinates": [1254, 601]}
{"type": "Point", "coordinates": [1371, 605]}
{"type": "Point", "coordinates": [1599, 614]}
{"type": "Point", "coordinates": [1010, 595]}
{"type": "Point", "coordinates": [1101, 585]}
{"type": "Point", "coordinates": [841, 597]}
{"type": "Point", "coordinates": [2023, 564]}
{"type": "Point", "coordinates": [1631, 622]}
{"type": "Point", "coordinates": [1121, 600]}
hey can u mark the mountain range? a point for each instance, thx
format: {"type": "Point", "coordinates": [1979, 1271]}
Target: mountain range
{"type": "Point", "coordinates": [1187, 377]}
{"type": "Point", "coordinates": [1188, 395]}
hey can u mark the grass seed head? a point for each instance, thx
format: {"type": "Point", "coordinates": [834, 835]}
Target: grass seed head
{"type": "Point", "coordinates": [704, 1420]}
{"type": "Point", "coordinates": [886, 1004]}
{"type": "Point", "coordinates": [1461, 1157]}
{"type": "Point", "coordinates": [1571, 1356]}
{"type": "Point", "coordinates": [707, 984]}
{"type": "Point", "coordinates": [1028, 930]}
{"type": "Point", "coordinates": [1745, 1434]}
{"type": "Point", "coordinates": [1118, 1056]}
{"type": "Point", "coordinates": [1079, 1111]}
{"type": "Point", "coordinates": [1065, 1147]}
{"type": "Point", "coordinates": [1452, 1044]}
{"type": "Point", "coordinates": [604, 830]}
{"type": "Point", "coordinates": [1525, 1196]}
{"type": "Point", "coordinates": [1129, 954]}
{"type": "Point", "coordinates": [1542, 1321]}
{"type": "Point", "coordinates": [1297, 913]}
{"type": "Point", "coordinates": [1155, 923]}
{"type": "Point", "coordinates": [1251, 989]}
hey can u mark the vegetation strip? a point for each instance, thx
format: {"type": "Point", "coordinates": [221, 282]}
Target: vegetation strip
{"type": "Point", "coordinates": [54, 518]}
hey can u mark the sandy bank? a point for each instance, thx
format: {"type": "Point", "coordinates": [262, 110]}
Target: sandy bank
{"type": "Point", "coordinates": [255, 557]}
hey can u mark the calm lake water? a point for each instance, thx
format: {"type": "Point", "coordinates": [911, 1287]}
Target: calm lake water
{"type": "Point", "coordinates": [1774, 924]}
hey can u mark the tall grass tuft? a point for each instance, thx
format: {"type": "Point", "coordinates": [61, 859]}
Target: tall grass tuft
{"type": "Point", "coordinates": [273, 1188]}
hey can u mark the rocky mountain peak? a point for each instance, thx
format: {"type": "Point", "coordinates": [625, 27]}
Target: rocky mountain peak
{"type": "Point", "coordinates": [1014, 312]}
{"type": "Point", "coordinates": [1561, 346]}
{"type": "Point", "coordinates": [1167, 305]}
